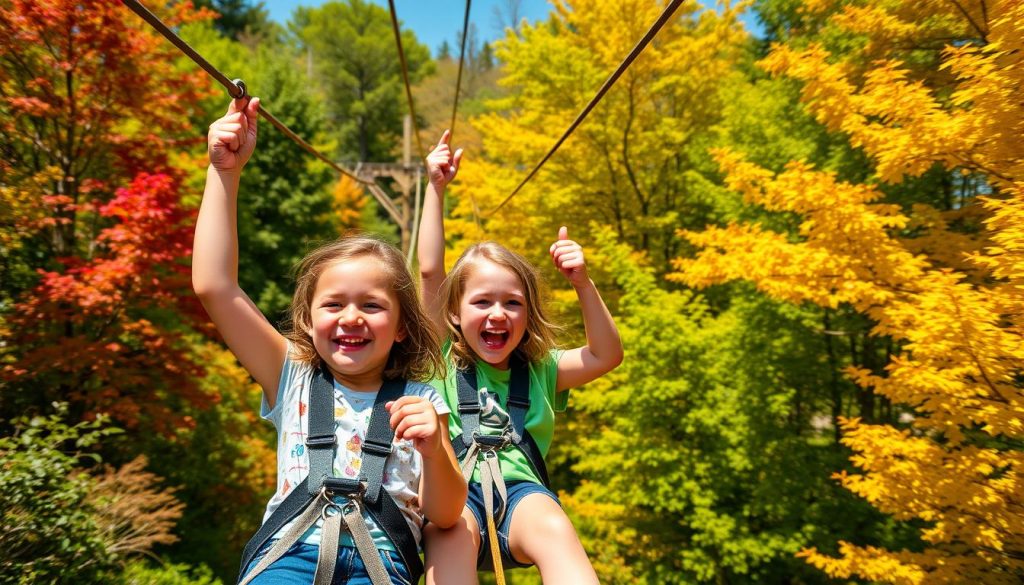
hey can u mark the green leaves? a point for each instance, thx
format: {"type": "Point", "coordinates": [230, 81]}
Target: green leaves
{"type": "Point", "coordinates": [50, 532]}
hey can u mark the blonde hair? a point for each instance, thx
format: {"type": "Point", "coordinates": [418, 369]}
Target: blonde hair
{"type": "Point", "coordinates": [417, 357]}
{"type": "Point", "coordinates": [539, 338]}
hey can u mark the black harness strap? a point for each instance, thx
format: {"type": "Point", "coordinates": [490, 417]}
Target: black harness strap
{"type": "Point", "coordinates": [321, 442]}
{"type": "Point", "coordinates": [320, 437]}
{"type": "Point", "coordinates": [518, 405]}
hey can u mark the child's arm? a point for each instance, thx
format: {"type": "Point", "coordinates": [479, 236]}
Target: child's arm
{"type": "Point", "coordinates": [253, 340]}
{"type": "Point", "coordinates": [442, 167]}
{"type": "Point", "coordinates": [442, 487]}
{"type": "Point", "coordinates": [603, 351]}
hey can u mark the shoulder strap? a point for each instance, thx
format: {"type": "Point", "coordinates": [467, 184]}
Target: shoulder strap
{"type": "Point", "coordinates": [469, 408]}
{"type": "Point", "coordinates": [518, 406]}
{"type": "Point", "coordinates": [377, 445]}
{"type": "Point", "coordinates": [378, 442]}
{"type": "Point", "coordinates": [518, 397]}
{"type": "Point", "coordinates": [320, 438]}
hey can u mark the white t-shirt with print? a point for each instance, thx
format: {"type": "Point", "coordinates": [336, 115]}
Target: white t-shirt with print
{"type": "Point", "coordinates": [352, 411]}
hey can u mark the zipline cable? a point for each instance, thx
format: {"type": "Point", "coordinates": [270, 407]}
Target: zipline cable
{"type": "Point", "coordinates": [462, 56]}
{"type": "Point", "coordinates": [236, 89]}
{"type": "Point", "coordinates": [421, 154]}
{"type": "Point", "coordinates": [455, 105]}
{"type": "Point", "coordinates": [640, 46]}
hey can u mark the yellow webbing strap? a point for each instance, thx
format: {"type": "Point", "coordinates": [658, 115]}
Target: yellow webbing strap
{"type": "Point", "coordinates": [488, 471]}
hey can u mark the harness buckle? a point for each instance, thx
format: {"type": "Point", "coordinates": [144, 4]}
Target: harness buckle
{"type": "Point", "coordinates": [321, 441]}
{"type": "Point", "coordinates": [374, 448]}
{"type": "Point", "coordinates": [465, 407]}
{"type": "Point", "coordinates": [491, 442]}
{"type": "Point", "coordinates": [515, 401]}
{"type": "Point", "coordinates": [343, 486]}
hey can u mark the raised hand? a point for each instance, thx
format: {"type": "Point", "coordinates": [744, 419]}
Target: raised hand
{"type": "Point", "coordinates": [414, 419]}
{"type": "Point", "coordinates": [442, 165]}
{"type": "Point", "coordinates": [568, 258]}
{"type": "Point", "coordinates": [232, 138]}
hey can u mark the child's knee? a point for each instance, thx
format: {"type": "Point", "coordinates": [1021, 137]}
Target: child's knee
{"type": "Point", "coordinates": [541, 520]}
{"type": "Point", "coordinates": [463, 534]}
{"type": "Point", "coordinates": [555, 528]}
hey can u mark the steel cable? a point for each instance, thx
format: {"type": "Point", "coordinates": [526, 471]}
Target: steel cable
{"type": "Point", "coordinates": [236, 89]}
{"type": "Point", "coordinates": [640, 46]}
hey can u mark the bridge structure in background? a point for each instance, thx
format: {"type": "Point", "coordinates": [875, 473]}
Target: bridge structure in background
{"type": "Point", "coordinates": [407, 175]}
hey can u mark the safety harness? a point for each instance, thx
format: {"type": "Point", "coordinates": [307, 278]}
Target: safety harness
{"type": "Point", "coordinates": [312, 499]}
{"type": "Point", "coordinates": [473, 448]}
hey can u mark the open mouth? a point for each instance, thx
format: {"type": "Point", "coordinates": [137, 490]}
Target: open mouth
{"type": "Point", "coordinates": [494, 339]}
{"type": "Point", "coordinates": [351, 342]}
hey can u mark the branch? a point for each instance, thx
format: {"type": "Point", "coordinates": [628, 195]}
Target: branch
{"type": "Point", "coordinates": [981, 32]}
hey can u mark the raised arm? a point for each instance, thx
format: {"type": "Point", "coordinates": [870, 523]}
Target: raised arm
{"type": "Point", "coordinates": [253, 340]}
{"type": "Point", "coordinates": [442, 166]}
{"type": "Point", "coordinates": [603, 351]}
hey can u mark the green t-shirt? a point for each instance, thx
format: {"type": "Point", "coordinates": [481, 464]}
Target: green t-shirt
{"type": "Point", "coordinates": [493, 391]}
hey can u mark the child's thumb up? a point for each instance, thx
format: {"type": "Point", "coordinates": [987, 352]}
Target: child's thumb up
{"type": "Point", "coordinates": [563, 233]}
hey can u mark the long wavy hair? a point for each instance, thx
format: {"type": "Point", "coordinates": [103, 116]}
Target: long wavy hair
{"type": "Point", "coordinates": [416, 357]}
{"type": "Point", "coordinates": [539, 339]}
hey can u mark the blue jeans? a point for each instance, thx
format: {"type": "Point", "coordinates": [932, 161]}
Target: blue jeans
{"type": "Point", "coordinates": [517, 490]}
{"type": "Point", "coordinates": [298, 566]}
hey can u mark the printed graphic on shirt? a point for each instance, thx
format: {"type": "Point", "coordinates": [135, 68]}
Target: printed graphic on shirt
{"type": "Point", "coordinates": [493, 418]}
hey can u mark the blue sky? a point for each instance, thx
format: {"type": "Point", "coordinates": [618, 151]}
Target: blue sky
{"type": "Point", "coordinates": [435, 21]}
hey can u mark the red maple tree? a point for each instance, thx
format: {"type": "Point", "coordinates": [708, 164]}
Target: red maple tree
{"type": "Point", "coordinates": [91, 100]}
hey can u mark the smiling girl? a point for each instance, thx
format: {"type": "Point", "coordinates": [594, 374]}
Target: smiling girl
{"type": "Point", "coordinates": [506, 380]}
{"type": "Point", "coordinates": [356, 351]}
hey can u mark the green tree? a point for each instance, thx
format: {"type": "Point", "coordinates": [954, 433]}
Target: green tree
{"type": "Point", "coordinates": [239, 18]}
{"type": "Point", "coordinates": [444, 50]}
{"type": "Point", "coordinates": [356, 64]}
{"type": "Point", "coordinates": [702, 463]}
{"type": "Point", "coordinates": [285, 202]}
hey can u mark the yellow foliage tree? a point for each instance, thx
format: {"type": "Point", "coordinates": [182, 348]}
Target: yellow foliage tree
{"type": "Point", "coordinates": [958, 469]}
{"type": "Point", "coordinates": [627, 166]}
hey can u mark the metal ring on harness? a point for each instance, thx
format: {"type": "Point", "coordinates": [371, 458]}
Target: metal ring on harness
{"type": "Point", "coordinates": [324, 514]}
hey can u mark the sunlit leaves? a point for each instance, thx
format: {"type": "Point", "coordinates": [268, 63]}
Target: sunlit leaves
{"type": "Point", "coordinates": [953, 306]}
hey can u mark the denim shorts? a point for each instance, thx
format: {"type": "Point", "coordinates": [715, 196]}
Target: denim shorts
{"type": "Point", "coordinates": [298, 566]}
{"type": "Point", "coordinates": [517, 490]}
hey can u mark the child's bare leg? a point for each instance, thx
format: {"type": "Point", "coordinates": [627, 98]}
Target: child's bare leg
{"type": "Point", "coordinates": [450, 554]}
{"type": "Point", "coordinates": [542, 534]}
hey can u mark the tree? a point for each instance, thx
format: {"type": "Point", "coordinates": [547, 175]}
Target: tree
{"type": "Point", "coordinates": [240, 17]}
{"type": "Point", "coordinates": [286, 203]}
{"type": "Point", "coordinates": [955, 470]}
{"type": "Point", "coordinates": [357, 66]}
{"type": "Point", "coordinates": [444, 51]}
{"type": "Point", "coordinates": [77, 86]}
{"type": "Point", "coordinates": [638, 161]}
{"type": "Point", "coordinates": [106, 332]}
{"type": "Point", "coordinates": [71, 80]}
{"type": "Point", "coordinates": [700, 462]}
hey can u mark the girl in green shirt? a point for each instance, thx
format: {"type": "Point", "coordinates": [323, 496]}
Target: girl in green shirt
{"type": "Point", "coordinates": [489, 309]}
